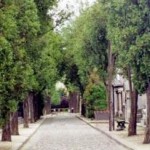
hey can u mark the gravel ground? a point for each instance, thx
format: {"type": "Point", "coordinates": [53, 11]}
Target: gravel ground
{"type": "Point", "coordinates": [66, 132]}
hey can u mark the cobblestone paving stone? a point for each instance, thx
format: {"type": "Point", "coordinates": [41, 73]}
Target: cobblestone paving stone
{"type": "Point", "coordinates": [66, 132]}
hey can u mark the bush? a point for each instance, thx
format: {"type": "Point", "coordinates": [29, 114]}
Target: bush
{"type": "Point", "coordinates": [95, 99]}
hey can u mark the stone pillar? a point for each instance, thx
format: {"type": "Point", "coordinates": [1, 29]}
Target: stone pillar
{"type": "Point", "coordinates": [118, 103]}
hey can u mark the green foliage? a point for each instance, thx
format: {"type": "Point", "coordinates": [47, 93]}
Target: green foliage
{"type": "Point", "coordinates": [86, 46]}
{"type": "Point", "coordinates": [55, 97]}
{"type": "Point", "coordinates": [45, 20]}
{"type": "Point", "coordinates": [94, 94]}
{"type": "Point", "coordinates": [29, 54]}
{"type": "Point", "coordinates": [95, 98]}
{"type": "Point", "coordinates": [47, 69]}
{"type": "Point", "coordinates": [13, 105]}
{"type": "Point", "coordinates": [71, 87]}
{"type": "Point", "coordinates": [129, 32]}
{"type": "Point", "coordinates": [46, 48]}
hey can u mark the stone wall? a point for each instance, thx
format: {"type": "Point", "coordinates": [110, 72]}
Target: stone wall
{"type": "Point", "coordinates": [101, 115]}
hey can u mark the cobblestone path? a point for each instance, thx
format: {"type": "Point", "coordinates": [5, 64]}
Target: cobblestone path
{"type": "Point", "coordinates": [66, 132]}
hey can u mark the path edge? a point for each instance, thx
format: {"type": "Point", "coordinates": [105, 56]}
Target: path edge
{"type": "Point", "coordinates": [31, 135]}
{"type": "Point", "coordinates": [105, 133]}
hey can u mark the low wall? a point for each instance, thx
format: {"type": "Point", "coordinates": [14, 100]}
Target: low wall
{"type": "Point", "coordinates": [101, 115]}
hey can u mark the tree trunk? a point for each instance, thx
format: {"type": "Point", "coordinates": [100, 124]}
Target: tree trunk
{"type": "Point", "coordinates": [133, 113]}
{"type": "Point", "coordinates": [47, 106]}
{"type": "Point", "coordinates": [6, 132]}
{"type": "Point", "coordinates": [132, 130]}
{"type": "Point", "coordinates": [40, 105]}
{"type": "Point", "coordinates": [73, 102]}
{"type": "Point", "coordinates": [31, 96]}
{"type": "Point", "coordinates": [26, 113]}
{"type": "Point", "coordinates": [35, 102]}
{"type": "Point", "coordinates": [147, 131]}
{"type": "Point", "coordinates": [14, 123]}
{"type": "Point", "coordinates": [111, 63]}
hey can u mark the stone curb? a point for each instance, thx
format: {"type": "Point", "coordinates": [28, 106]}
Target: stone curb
{"type": "Point", "coordinates": [29, 137]}
{"type": "Point", "coordinates": [108, 135]}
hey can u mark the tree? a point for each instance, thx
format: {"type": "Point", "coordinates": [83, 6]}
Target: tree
{"type": "Point", "coordinates": [45, 53]}
{"type": "Point", "coordinates": [6, 60]}
{"type": "Point", "coordinates": [116, 26]}
{"type": "Point", "coordinates": [17, 30]}
{"type": "Point", "coordinates": [28, 27]}
{"type": "Point", "coordinates": [89, 46]}
{"type": "Point", "coordinates": [8, 69]}
{"type": "Point", "coordinates": [28, 58]}
{"type": "Point", "coordinates": [129, 32]}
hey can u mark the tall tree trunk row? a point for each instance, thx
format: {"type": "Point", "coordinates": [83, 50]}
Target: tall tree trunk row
{"type": "Point", "coordinates": [31, 105]}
